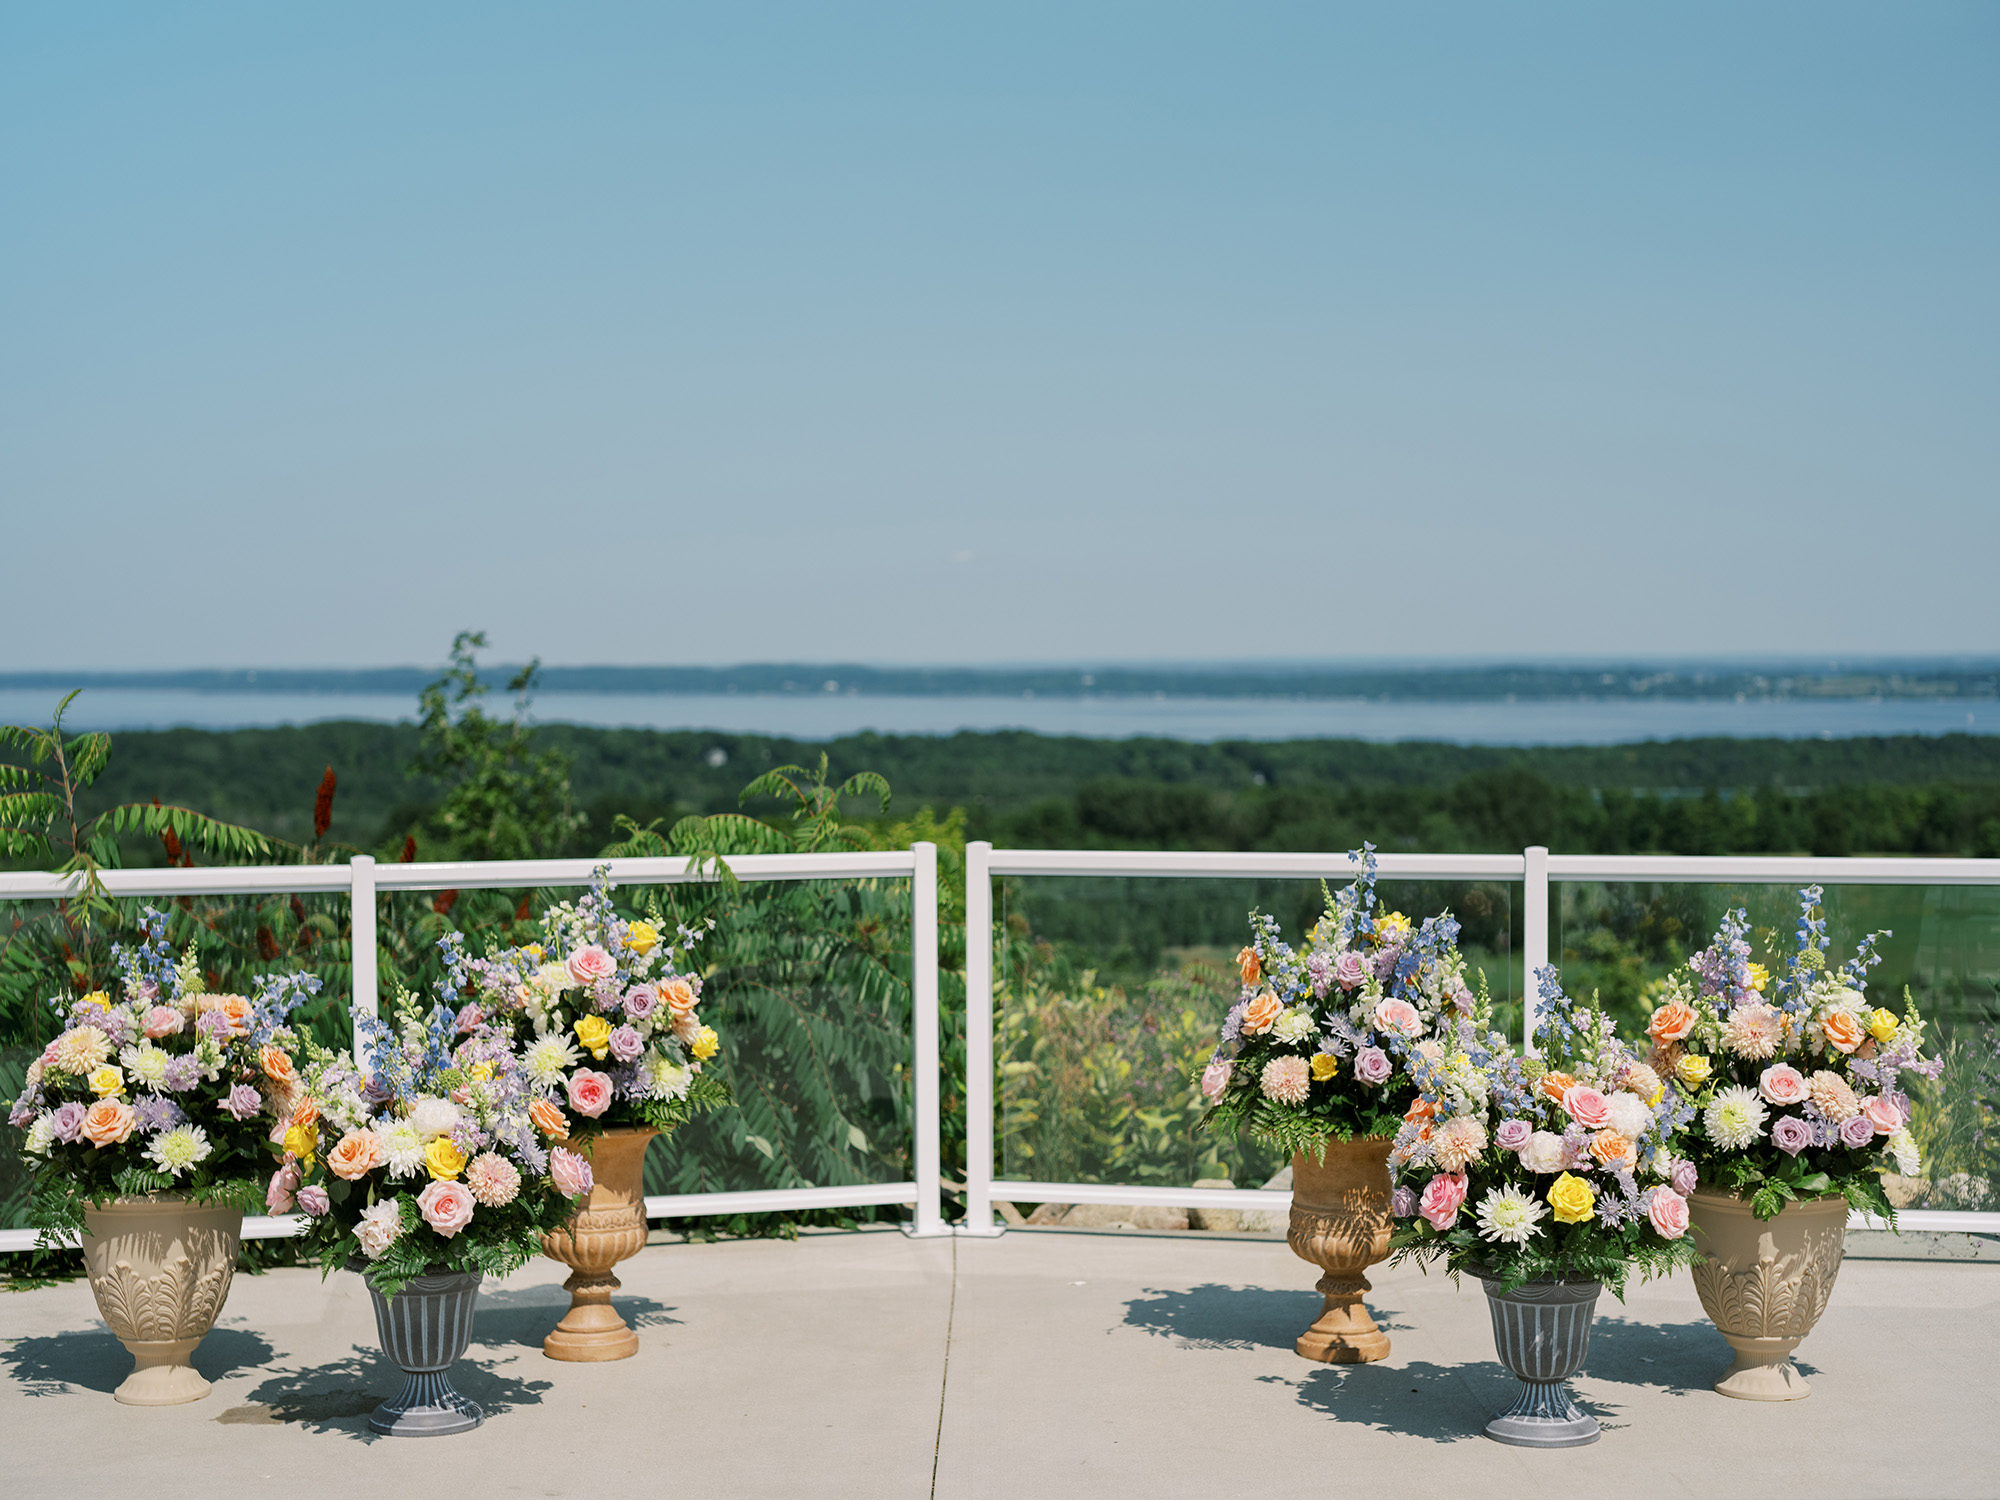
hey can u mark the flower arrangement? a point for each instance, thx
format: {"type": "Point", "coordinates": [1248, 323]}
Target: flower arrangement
{"type": "Point", "coordinates": [1317, 1045]}
{"type": "Point", "coordinates": [1526, 1169]}
{"type": "Point", "coordinates": [162, 1088]}
{"type": "Point", "coordinates": [1798, 1095]}
{"type": "Point", "coordinates": [609, 1024]}
{"type": "Point", "coordinates": [436, 1157]}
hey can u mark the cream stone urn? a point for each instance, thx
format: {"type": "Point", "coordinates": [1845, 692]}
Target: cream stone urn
{"type": "Point", "coordinates": [159, 1267]}
{"type": "Point", "coordinates": [1764, 1284]}
{"type": "Point", "coordinates": [1340, 1222]}
{"type": "Point", "coordinates": [610, 1227]}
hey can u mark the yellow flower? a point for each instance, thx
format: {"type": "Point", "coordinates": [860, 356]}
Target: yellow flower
{"type": "Point", "coordinates": [706, 1044]}
{"type": "Point", "coordinates": [1759, 976]}
{"type": "Point", "coordinates": [595, 1034]}
{"type": "Point", "coordinates": [443, 1158]}
{"type": "Point", "coordinates": [1324, 1066]}
{"type": "Point", "coordinates": [481, 1071]}
{"type": "Point", "coordinates": [1572, 1199]}
{"type": "Point", "coordinates": [1692, 1069]}
{"type": "Point", "coordinates": [1883, 1026]}
{"type": "Point", "coordinates": [1390, 926]}
{"type": "Point", "coordinates": [97, 998]}
{"type": "Point", "coordinates": [107, 1080]}
{"type": "Point", "coordinates": [642, 938]}
{"type": "Point", "coordinates": [302, 1141]}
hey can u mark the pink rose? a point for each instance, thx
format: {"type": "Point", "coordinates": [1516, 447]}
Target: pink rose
{"type": "Point", "coordinates": [471, 1019]}
{"type": "Point", "coordinates": [589, 1092]}
{"type": "Point", "coordinates": [1350, 970]}
{"type": "Point", "coordinates": [1443, 1196]}
{"type": "Point", "coordinates": [163, 1020]}
{"type": "Point", "coordinates": [284, 1183]}
{"type": "Point", "coordinates": [626, 1043]}
{"type": "Point", "coordinates": [1587, 1106]}
{"type": "Point", "coordinates": [315, 1201]}
{"type": "Point", "coordinates": [1398, 1016]}
{"type": "Point", "coordinates": [570, 1172]}
{"type": "Point", "coordinates": [589, 964]}
{"type": "Point", "coordinates": [1669, 1212]}
{"type": "Point", "coordinates": [1883, 1114]}
{"type": "Point", "coordinates": [1215, 1078]}
{"type": "Point", "coordinates": [1372, 1065]}
{"type": "Point", "coordinates": [1782, 1083]}
{"type": "Point", "coordinates": [446, 1206]}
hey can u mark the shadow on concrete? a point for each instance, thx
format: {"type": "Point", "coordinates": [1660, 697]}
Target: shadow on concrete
{"type": "Point", "coordinates": [1212, 1316]}
{"type": "Point", "coordinates": [524, 1316]}
{"type": "Point", "coordinates": [1439, 1403]}
{"type": "Point", "coordinates": [337, 1397]}
{"type": "Point", "coordinates": [55, 1364]}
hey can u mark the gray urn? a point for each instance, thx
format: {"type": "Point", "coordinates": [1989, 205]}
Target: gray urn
{"type": "Point", "coordinates": [425, 1328]}
{"type": "Point", "coordinates": [1542, 1331]}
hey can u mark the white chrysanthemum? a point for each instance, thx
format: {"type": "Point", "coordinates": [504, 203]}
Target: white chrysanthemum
{"type": "Point", "coordinates": [669, 1080]}
{"type": "Point", "coordinates": [1508, 1216]}
{"type": "Point", "coordinates": [1902, 1146]}
{"type": "Point", "coordinates": [41, 1134]}
{"type": "Point", "coordinates": [1735, 1118]}
{"type": "Point", "coordinates": [549, 1060]}
{"type": "Point", "coordinates": [551, 978]}
{"type": "Point", "coordinates": [146, 1063]}
{"type": "Point", "coordinates": [174, 1151]}
{"type": "Point", "coordinates": [1629, 1115]}
{"type": "Point", "coordinates": [403, 1149]}
{"type": "Point", "coordinates": [431, 1118]}
{"type": "Point", "coordinates": [1293, 1026]}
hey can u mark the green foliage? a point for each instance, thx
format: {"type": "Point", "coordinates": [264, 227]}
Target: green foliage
{"type": "Point", "coordinates": [1562, 1252]}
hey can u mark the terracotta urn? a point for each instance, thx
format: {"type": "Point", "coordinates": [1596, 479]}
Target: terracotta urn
{"type": "Point", "coordinates": [160, 1267]}
{"type": "Point", "coordinates": [610, 1227]}
{"type": "Point", "coordinates": [1340, 1222]}
{"type": "Point", "coordinates": [1764, 1284]}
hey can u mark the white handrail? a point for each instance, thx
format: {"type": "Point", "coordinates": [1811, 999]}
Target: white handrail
{"type": "Point", "coordinates": [1196, 863]}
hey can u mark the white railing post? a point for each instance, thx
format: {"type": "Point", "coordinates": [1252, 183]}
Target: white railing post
{"type": "Point", "coordinates": [361, 923]}
{"type": "Point", "coordinates": [924, 955]}
{"type": "Point", "coordinates": [1534, 936]}
{"type": "Point", "coordinates": [978, 1041]}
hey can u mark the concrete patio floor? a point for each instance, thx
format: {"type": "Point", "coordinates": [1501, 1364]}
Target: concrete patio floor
{"type": "Point", "coordinates": [1046, 1363]}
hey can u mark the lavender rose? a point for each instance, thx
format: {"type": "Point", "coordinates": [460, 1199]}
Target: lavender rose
{"type": "Point", "coordinates": [1791, 1135]}
{"type": "Point", "coordinates": [1372, 1065]}
{"type": "Point", "coordinates": [641, 1001]}
{"type": "Point", "coordinates": [1512, 1135]}
{"type": "Point", "coordinates": [625, 1043]}
{"type": "Point", "coordinates": [69, 1122]}
{"type": "Point", "coordinates": [314, 1200]}
{"type": "Point", "coordinates": [1403, 1203]}
{"type": "Point", "coordinates": [1857, 1131]}
{"type": "Point", "coordinates": [243, 1101]}
{"type": "Point", "coordinates": [1350, 970]}
{"type": "Point", "coordinates": [1685, 1177]}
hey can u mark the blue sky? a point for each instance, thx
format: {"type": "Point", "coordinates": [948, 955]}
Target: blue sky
{"type": "Point", "coordinates": [718, 333]}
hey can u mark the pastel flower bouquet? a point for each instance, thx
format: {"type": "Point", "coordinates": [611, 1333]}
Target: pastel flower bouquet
{"type": "Point", "coordinates": [1796, 1085]}
{"type": "Point", "coordinates": [159, 1087]}
{"type": "Point", "coordinates": [608, 1021]}
{"type": "Point", "coordinates": [435, 1159]}
{"type": "Point", "coordinates": [1317, 1046]}
{"type": "Point", "coordinates": [1556, 1168]}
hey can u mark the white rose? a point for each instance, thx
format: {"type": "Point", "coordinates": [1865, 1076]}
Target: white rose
{"type": "Point", "coordinates": [378, 1228]}
{"type": "Point", "coordinates": [1543, 1153]}
{"type": "Point", "coordinates": [434, 1117]}
{"type": "Point", "coordinates": [1629, 1115]}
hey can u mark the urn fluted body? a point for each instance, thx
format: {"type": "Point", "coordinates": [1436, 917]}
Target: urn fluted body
{"type": "Point", "coordinates": [160, 1269]}
{"type": "Point", "coordinates": [1541, 1330]}
{"type": "Point", "coordinates": [1764, 1284]}
{"type": "Point", "coordinates": [425, 1328]}
{"type": "Point", "coordinates": [608, 1228]}
{"type": "Point", "coordinates": [1340, 1222]}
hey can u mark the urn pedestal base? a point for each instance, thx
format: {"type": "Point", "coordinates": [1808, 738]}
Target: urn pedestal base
{"type": "Point", "coordinates": [610, 1227]}
{"type": "Point", "coordinates": [1340, 1222]}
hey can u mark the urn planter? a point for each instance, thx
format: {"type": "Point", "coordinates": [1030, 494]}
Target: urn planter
{"type": "Point", "coordinates": [1764, 1284]}
{"type": "Point", "coordinates": [1542, 1332]}
{"type": "Point", "coordinates": [160, 1268]}
{"type": "Point", "coordinates": [608, 1228]}
{"type": "Point", "coordinates": [1340, 1222]}
{"type": "Point", "coordinates": [425, 1328]}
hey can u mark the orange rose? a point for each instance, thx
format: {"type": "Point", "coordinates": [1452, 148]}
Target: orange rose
{"type": "Point", "coordinates": [1423, 1109]}
{"type": "Point", "coordinates": [277, 1067]}
{"type": "Point", "coordinates": [1843, 1031]}
{"type": "Point", "coordinates": [1262, 1011]}
{"type": "Point", "coordinates": [1614, 1150]}
{"type": "Point", "coordinates": [1248, 966]}
{"type": "Point", "coordinates": [359, 1153]}
{"type": "Point", "coordinates": [548, 1119]}
{"type": "Point", "coordinates": [1671, 1021]}
{"type": "Point", "coordinates": [108, 1123]}
{"type": "Point", "coordinates": [679, 995]}
{"type": "Point", "coordinates": [304, 1117]}
{"type": "Point", "coordinates": [1555, 1085]}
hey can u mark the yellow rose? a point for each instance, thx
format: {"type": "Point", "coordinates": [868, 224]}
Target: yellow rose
{"type": "Point", "coordinates": [481, 1072]}
{"type": "Point", "coordinates": [706, 1044]}
{"type": "Point", "coordinates": [1572, 1199]}
{"type": "Point", "coordinates": [595, 1034]}
{"type": "Point", "coordinates": [1759, 976]}
{"type": "Point", "coordinates": [642, 938]}
{"type": "Point", "coordinates": [107, 1080]}
{"type": "Point", "coordinates": [302, 1141]}
{"type": "Point", "coordinates": [443, 1158]}
{"type": "Point", "coordinates": [1324, 1066]}
{"type": "Point", "coordinates": [1883, 1026]}
{"type": "Point", "coordinates": [1692, 1069]}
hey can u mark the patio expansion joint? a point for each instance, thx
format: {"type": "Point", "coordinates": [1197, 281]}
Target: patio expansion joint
{"type": "Point", "coordinates": [944, 1378]}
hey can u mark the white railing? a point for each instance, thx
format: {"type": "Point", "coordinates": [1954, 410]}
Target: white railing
{"type": "Point", "coordinates": [363, 879]}
{"type": "Point", "coordinates": [1535, 868]}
